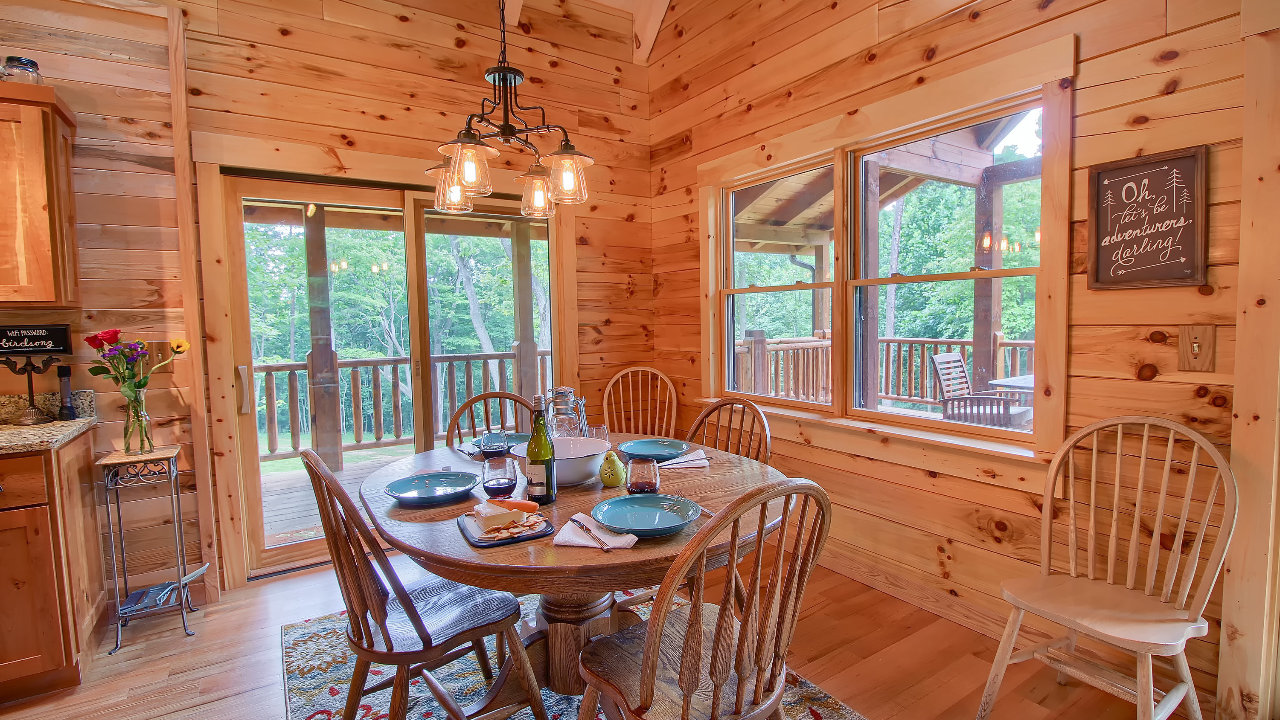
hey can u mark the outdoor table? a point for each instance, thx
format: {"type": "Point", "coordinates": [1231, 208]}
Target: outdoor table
{"type": "Point", "coordinates": [576, 583]}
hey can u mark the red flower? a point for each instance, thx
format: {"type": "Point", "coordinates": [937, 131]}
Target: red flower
{"type": "Point", "coordinates": [95, 342]}
{"type": "Point", "coordinates": [110, 336]}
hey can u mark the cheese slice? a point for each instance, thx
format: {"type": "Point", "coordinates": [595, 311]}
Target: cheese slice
{"type": "Point", "coordinates": [489, 516]}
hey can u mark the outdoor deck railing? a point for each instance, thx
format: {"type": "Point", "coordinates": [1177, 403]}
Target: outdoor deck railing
{"type": "Point", "coordinates": [800, 368]}
{"type": "Point", "coordinates": [389, 403]}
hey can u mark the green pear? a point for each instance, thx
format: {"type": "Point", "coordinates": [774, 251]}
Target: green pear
{"type": "Point", "coordinates": [612, 472]}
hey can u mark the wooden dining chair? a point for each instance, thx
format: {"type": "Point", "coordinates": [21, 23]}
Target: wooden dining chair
{"type": "Point", "coordinates": [1145, 508]}
{"type": "Point", "coordinates": [489, 412]}
{"type": "Point", "coordinates": [416, 628]}
{"type": "Point", "coordinates": [733, 425]}
{"type": "Point", "coordinates": [641, 400]}
{"type": "Point", "coordinates": [961, 403]}
{"type": "Point", "coordinates": [700, 659]}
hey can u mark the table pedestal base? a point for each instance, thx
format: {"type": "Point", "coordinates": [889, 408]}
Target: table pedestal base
{"type": "Point", "coordinates": [569, 622]}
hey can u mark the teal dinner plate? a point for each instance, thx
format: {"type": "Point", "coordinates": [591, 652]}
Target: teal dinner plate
{"type": "Point", "coordinates": [660, 449]}
{"type": "Point", "coordinates": [646, 515]}
{"type": "Point", "coordinates": [432, 488]}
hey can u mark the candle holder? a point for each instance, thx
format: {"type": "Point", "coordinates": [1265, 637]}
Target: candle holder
{"type": "Point", "coordinates": [33, 415]}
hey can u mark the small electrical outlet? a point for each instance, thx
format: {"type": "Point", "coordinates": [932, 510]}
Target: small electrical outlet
{"type": "Point", "coordinates": [158, 352]}
{"type": "Point", "coordinates": [1196, 347]}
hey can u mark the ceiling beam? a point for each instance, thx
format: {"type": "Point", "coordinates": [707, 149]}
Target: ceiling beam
{"type": "Point", "coordinates": [743, 199]}
{"type": "Point", "coordinates": [646, 20]}
{"type": "Point", "coordinates": [513, 11]}
{"type": "Point", "coordinates": [780, 234]}
{"type": "Point", "coordinates": [819, 186]}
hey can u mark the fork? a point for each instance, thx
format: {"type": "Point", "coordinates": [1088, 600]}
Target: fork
{"type": "Point", "coordinates": [592, 535]}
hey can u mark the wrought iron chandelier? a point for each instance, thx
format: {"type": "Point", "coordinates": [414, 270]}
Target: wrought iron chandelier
{"type": "Point", "coordinates": [464, 173]}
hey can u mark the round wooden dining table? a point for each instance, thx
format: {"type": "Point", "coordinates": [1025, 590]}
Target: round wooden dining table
{"type": "Point", "coordinates": [577, 584]}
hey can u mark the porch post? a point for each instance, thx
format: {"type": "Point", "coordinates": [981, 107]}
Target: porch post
{"type": "Point", "coordinates": [988, 230]}
{"type": "Point", "coordinates": [322, 360]}
{"type": "Point", "coordinates": [526, 345]}
{"type": "Point", "coordinates": [759, 362]}
{"type": "Point", "coordinates": [869, 306]}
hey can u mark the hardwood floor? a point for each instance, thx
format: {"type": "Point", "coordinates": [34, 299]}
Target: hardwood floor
{"type": "Point", "coordinates": [881, 656]}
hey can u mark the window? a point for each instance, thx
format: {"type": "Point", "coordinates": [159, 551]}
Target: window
{"type": "Point", "coordinates": [924, 312]}
{"type": "Point", "coordinates": [778, 304]}
{"type": "Point", "coordinates": [949, 244]}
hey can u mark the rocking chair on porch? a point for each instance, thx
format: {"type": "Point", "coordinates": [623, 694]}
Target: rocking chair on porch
{"type": "Point", "coordinates": [993, 408]}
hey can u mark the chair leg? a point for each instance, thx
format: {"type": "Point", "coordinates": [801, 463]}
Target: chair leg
{"type": "Point", "coordinates": [1146, 688]}
{"type": "Point", "coordinates": [526, 675]}
{"type": "Point", "coordinates": [590, 706]}
{"type": "Point", "coordinates": [1000, 664]}
{"type": "Point", "coordinates": [1071, 647]}
{"type": "Point", "coordinates": [1192, 701]}
{"type": "Point", "coordinates": [482, 658]}
{"type": "Point", "coordinates": [355, 691]}
{"type": "Point", "coordinates": [501, 644]}
{"type": "Point", "coordinates": [399, 694]}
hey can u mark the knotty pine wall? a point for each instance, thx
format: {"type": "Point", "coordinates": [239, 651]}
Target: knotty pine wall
{"type": "Point", "coordinates": [398, 78]}
{"type": "Point", "coordinates": [111, 66]}
{"type": "Point", "coordinates": [1153, 75]}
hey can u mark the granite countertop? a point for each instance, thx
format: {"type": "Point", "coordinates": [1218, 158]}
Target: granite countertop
{"type": "Point", "coordinates": [34, 438]}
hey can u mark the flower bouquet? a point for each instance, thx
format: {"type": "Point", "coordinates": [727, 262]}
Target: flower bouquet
{"type": "Point", "coordinates": [124, 364]}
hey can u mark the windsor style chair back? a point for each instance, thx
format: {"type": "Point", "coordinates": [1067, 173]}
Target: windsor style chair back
{"type": "Point", "coordinates": [700, 659]}
{"type": "Point", "coordinates": [1145, 508]}
{"type": "Point", "coordinates": [489, 412]}
{"type": "Point", "coordinates": [736, 426]}
{"type": "Point", "coordinates": [415, 628]}
{"type": "Point", "coordinates": [640, 400]}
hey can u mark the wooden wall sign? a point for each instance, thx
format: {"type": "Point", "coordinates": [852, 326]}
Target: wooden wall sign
{"type": "Point", "coordinates": [35, 340]}
{"type": "Point", "coordinates": [1147, 221]}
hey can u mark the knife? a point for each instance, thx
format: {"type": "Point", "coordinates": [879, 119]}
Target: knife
{"type": "Point", "coordinates": [583, 525]}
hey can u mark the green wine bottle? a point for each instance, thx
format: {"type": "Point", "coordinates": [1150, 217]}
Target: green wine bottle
{"type": "Point", "coordinates": [540, 464]}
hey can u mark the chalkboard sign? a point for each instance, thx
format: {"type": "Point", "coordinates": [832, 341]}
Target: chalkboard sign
{"type": "Point", "coordinates": [35, 340]}
{"type": "Point", "coordinates": [1147, 221]}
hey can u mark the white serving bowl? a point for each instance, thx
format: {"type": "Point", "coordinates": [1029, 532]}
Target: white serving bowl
{"type": "Point", "coordinates": [578, 459]}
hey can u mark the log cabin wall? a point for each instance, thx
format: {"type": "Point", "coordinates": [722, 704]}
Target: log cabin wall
{"type": "Point", "coordinates": [398, 79]}
{"type": "Point", "coordinates": [938, 528]}
{"type": "Point", "coordinates": [111, 66]}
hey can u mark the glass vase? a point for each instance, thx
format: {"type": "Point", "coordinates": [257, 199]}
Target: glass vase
{"type": "Point", "coordinates": [137, 424]}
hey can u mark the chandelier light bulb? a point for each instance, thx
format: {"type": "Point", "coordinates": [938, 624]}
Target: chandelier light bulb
{"type": "Point", "coordinates": [568, 174]}
{"type": "Point", "coordinates": [450, 198]}
{"type": "Point", "coordinates": [536, 201]}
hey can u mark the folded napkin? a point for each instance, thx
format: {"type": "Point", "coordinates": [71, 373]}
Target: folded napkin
{"type": "Point", "coordinates": [573, 536]}
{"type": "Point", "coordinates": [695, 459]}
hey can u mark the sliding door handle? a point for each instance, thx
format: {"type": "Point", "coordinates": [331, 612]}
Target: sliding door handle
{"type": "Point", "coordinates": [244, 379]}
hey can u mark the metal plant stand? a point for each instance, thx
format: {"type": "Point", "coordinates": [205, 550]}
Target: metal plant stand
{"type": "Point", "coordinates": [120, 471]}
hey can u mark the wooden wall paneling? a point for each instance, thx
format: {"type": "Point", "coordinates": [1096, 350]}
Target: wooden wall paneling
{"type": "Point", "coordinates": [109, 61]}
{"type": "Point", "coordinates": [1159, 79]}
{"type": "Point", "coordinates": [1248, 673]}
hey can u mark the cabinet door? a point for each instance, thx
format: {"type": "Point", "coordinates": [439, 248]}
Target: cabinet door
{"type": "Point", "coordinates": [26, 242]}
{"type": "Point", "coordinates": [31, 639]}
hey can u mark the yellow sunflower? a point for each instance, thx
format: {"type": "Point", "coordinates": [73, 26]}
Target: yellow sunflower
{"type": "Point", "coordinates": [179, 346]}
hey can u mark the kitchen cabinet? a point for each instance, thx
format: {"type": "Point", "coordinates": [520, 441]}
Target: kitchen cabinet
{"type": "Point", "coordinates": [38, 263]}
{"type": "Point", "coordinates": [52, 585]}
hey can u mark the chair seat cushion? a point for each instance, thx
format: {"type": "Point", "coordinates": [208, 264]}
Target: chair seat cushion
{"type": "Point", "coordinates": [612, 664]}
{"type": "Point", "coordinates": [448, 609]}
{"type": "Point", "coordinates": [1124, 617]}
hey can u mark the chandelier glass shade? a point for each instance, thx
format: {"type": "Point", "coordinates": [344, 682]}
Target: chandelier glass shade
{"type": "Point", "coordinates": [555, 177]}
{"type": "Point", "coordinates": [450, 197]}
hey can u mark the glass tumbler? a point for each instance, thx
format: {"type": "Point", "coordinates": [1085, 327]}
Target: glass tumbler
{"type": "Point", "coordinates": [642, 476]}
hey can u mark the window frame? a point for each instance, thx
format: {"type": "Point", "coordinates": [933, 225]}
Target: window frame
{"type": "Point", "coordinates": [726, 289]}
{"type": "Point", "coordinates": [1051, 275]}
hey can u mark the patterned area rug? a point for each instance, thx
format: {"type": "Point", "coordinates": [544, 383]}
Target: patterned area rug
{"type": "Point", "coordinates": [318, 666]}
